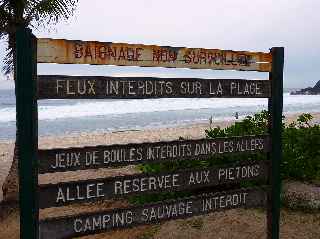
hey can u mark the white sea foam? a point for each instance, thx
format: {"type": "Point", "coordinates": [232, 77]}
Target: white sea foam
{"type": "Point", "coordinates": [294, 103]}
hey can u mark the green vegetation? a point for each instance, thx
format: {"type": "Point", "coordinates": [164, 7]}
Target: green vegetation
{"type": "Point", "coordinates": [301, 143]}
{"type": "Point", "coordinates": [301, 151]}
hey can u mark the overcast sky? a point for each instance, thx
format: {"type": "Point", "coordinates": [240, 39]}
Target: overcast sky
{"type": "Point", "coordinates": [233, 24]}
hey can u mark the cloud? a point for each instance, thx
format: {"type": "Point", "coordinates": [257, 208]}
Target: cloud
{"type": "Point", "coordinates": [233, 24]}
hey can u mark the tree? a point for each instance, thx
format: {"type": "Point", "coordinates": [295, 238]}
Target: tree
{"type": "Point", "coordinates": [34, 14]}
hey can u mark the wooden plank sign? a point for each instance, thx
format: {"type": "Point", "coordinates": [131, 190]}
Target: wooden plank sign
{"type": "Point", "coordinates": [55, 195]}
{"type": "Point", "coordinates": [33, 197]}
{"type": "Point", "coordinates": [103, 221]}
{"type": "Point", "coordinates": [95, 87]}
{"type": "Point", "coordinates": [122, 54]}
{"type": "Point", "coordinates": [104, 156]}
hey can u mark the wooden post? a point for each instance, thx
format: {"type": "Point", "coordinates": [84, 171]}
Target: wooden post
{"type": "Point", "coordinates": [27, 132]}
{"type": "Point", "coordinates": [275, 128]}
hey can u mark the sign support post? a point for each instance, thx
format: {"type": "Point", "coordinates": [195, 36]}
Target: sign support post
{"type": "Point", "coordinates": [275, 128]}
{"type": "Point", "coordinates": [27, 132]}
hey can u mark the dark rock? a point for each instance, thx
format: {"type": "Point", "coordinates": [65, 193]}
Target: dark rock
{"type": "Point", "coordinates": [309, 90]}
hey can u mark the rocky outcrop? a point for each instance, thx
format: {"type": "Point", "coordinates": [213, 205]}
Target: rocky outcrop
{"type": "Point", "coordinates": [308, 91]}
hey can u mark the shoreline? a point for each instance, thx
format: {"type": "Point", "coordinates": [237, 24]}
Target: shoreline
{"type": "Point", "coordinates": [220, 122]}
{"type": "Point", "coordinates": [191, 131]}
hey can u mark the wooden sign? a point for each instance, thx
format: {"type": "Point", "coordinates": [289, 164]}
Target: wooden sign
{"type": "Point", "coordinates": [95, 87]}
{"type": "Point", "coordinates": [122, 54]}
{"type": "Point", "coordinates": [31, 51]}
{"type": "Point", "coordinates": [98, 222]}
{"type": "Point", "coordinates": [104, 156]}
{"type": "Point", "coordinates": [55, 195]}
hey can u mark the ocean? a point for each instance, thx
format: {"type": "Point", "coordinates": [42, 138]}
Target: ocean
{"type": "Point", "coordinates": [59, 117]}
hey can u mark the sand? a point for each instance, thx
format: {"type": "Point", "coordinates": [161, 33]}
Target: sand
{"type": "Point", "coordinates": [231, 224]}
{"type": "Point", "coordinates": [237, 223]}
{"type": "Point", "coordinates": [190, 131]}
{"type": "Point", "coordinates": [76, 140]}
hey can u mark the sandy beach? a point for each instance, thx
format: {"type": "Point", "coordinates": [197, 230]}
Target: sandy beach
{"type": "Point", "coordinates": [198, 227]}
{"type": "Point", "coordinates": [120, 137]}
{"type": "Point", "coordinates": [189, 132]}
